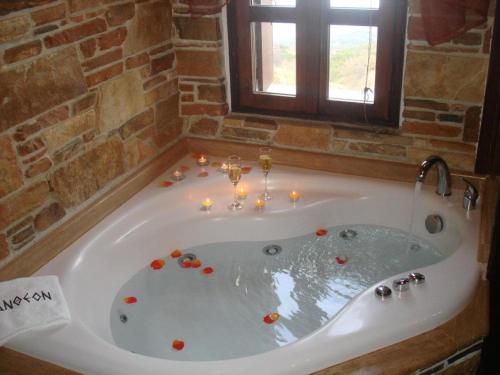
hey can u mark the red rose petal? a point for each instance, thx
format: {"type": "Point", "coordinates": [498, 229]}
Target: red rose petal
{"type": "Point", "coordinates": [207, 270]}
{"type": "Point", "coordinates": [196, 263]}
{"type": "Point", "coordinates": [246, 170]}
{"type": "Point", "coordinates": [196, 155]}
{"type": "Point", "coordinates": [321, 232]}
{"type": "Point", "coordinates": [129, 300]}
{"type": "Point", "coordinates": [166, 184]}
{"type": "Point", "coordinates": [184, 168]}
{"type": "Point", "coordinates": [271, 318]}
{"type": "Point", "coordinates": [176, 253]}
{"type": "Point", "coordinates": [267, 319]}
{"type": "Point", "coordinates": [157, 264]}
{"type": "Point", "coordinates": [216, 164]}
{"type": "Point", "coordinates": [341, 259]}
{"type": "Point", "coordinates": [203, 174]}
{"type": "Point", "coordinates": [178, 344]}
{"type": "Point", "coordinates": [186, 264]}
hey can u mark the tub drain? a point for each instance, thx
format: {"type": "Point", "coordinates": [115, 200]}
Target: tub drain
{"type": "Point", "coordinates": [123, 318]}
{"type": "Point", "coordinates": [348, 234]}
{"type": "Point", "coordinates": [188, 257]}
{"type": "Point", "coordinates": [272, 250]}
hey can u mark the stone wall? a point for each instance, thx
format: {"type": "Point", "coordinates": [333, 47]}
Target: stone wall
{"type": "Point", "coordinates": [443, 98]}
{"type": "Point", "coordinates": [88, 94]}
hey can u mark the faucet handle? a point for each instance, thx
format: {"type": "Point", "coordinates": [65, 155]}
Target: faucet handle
{"type": "Point", "coordinates": [470, 195]}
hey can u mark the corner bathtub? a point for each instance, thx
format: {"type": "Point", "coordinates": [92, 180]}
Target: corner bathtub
{"type": "Point", "coordinates": [94, 270]}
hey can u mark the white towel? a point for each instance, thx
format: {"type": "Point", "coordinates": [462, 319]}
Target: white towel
{"type": "Point", "coordinates": [31, 303]}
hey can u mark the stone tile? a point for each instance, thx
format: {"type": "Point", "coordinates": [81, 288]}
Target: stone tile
{"type": "Point", "coordinates": [372, 136]}
{"type": "Point", "coordinates": [167, 111]}
{"type": "Point", "coordinates": [73, 34]}
{"type": "Point", "coordinates": [101, 60]}
{"type": "Point", "coordinates": [23, 203]}
{"type": "Point", "coordinates": [23, 93]}
{"type": "Point", "coordinates": [59, 135]}
{"type": "Point", "coordinates": [81, 178]}
{"type": "Point", "coordinates": [204, 109]}
{"type": "Point", "coordinates": [119, 14]}
{"type": "Point", "coordinates": [445, 76]}
{"type": "Point", "coordinates": [301, 135]}
{"type": "Point", "coordinates": [161, 92]}
{"type": "Point", "coordinates": [162, 63]}
{"type": "Point", "coordinates": [10, 174]}
{"type": "Point", "coordinates": [22, 52]}
{"type": "Point", "coordinates": [428, 104]}
{"type": "Point", "coordinates": [77, 5]}
{"type": "Point", "coordinates": [136, 61]}
{"type": "Point", "coordinates": [137, 123]}
{"type": "Point", "coordinates": [114, 38]}
{"type": "Point", "coordinates": [211, 93]}
{"type": "Point", "coordinates": [377, 149]}
{"type": "Point", "coordinates": [103, 75]}
{"type": "Point", "coordinates": [150, 26]}
{"type": "Point", "coordinates": [48, 216]}
{"type": "Point", "coordinates": [431, 129]}
{"type": "Point", "coordinates": [85, 103]}
{"type": "Point", "coordinates": [47, 15]}
{"type": "Point", "coordinates": [119, 100]}
{"type": "Point", "coordinates": [260, 123]}
{"type": "Point", "coordinates": [7, 7]}
{"type": "Point", "coordinates": [198, 28]}
{"type": "Point", "coordinates": [137, 151]}
{"type": "Point", "coordinates": [40, 166]}
{"type": "Point", "coordinates": [199, 63]}
{"type": "Point", "coordinates": [204, 126]}
{"type": "Point", "coordinates": [245, 134]}
{"type": "Point", "coordinates": [14, 28]}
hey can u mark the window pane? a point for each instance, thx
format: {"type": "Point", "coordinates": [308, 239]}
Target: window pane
{"type": "Point", "coordinates": [274, 3]}
{"type": "Point", "coordinates": [365, 4]}
{"type": "Point", "coordinates": [274, 57]}
{"type": "Point", "coordinates": [349, 51]}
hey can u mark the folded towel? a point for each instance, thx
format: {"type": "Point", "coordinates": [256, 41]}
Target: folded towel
{"type": "Point", "coordinates": [31, 303]}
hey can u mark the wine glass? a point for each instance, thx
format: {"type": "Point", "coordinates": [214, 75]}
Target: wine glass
{"type": "Point", "coordinates": [234, 174]}
{"type": "Point", "coordinates": [266, 162]}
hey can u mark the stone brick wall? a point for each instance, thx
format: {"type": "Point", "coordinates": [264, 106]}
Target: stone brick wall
{"type": "Point", "coordinates": [88, 94]}
{"type": "Point", "coordinates": [443, 98]}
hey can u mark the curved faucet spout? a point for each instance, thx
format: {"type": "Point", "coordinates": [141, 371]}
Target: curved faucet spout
{"type": "Point", "coordinates": [444, 177]}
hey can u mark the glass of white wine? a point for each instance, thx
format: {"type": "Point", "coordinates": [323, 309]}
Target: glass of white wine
{"type": "Point", "coordinates": [266, 163]}
{"type": "Point", "coordinates": [234, 174]}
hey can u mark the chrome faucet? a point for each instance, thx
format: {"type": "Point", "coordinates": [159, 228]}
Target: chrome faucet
{"type": "Point", "coordinates": [444, 178]}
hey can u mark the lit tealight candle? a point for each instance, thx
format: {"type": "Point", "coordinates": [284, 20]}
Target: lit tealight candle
{"type": "Point", "coordinates": [242, 194]}
{"type": "Point", "coordinates": [260, 204]}
{"type": "Point", "coordinates": [206, 205]}
{"type": "Point", "coordinates": [178, 175]}
{"type": "Point", "coordinates": [202, 161]}
{"type": "Point", "coordinates": [223, 168]}
{"type": "Point", "coordinates": [294, 196]}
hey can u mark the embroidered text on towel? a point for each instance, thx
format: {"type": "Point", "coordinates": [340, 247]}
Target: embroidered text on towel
{"type": "Point", "coordinates": [13, 303]}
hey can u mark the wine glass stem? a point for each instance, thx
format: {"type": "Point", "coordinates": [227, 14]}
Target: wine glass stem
{"type": "Point", "coordinates": [265, 184]}
{"type": "Point", "coordinates": [235, 193]}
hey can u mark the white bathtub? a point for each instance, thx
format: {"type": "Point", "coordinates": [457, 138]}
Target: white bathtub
{"type": "Point", "coordinates": [95, 267]}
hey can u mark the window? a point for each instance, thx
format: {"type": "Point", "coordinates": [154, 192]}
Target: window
{"type": "Point", "coordinates": [338, 60]}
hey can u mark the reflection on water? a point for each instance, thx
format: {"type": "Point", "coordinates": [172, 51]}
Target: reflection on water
{"type": "Point", "coordinates": [220, 316]}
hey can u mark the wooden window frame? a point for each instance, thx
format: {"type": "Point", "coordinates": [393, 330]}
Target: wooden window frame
{"type": "Point", "coordinates": [312, 58]}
